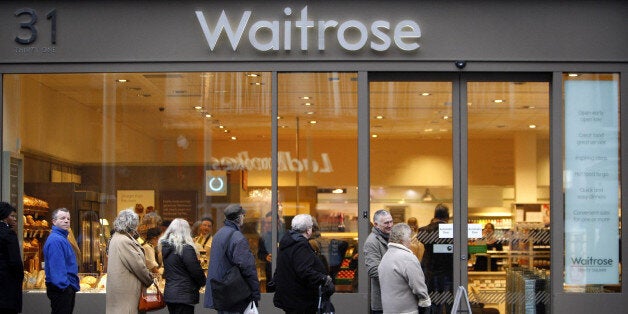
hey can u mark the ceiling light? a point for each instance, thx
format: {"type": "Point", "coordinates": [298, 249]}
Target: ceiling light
{"type": "Point", "coordinates": [498, 101]}
{"type": "Point", "coordinates": [283, 126]}
{"type": "Point", "coordinates": [532, 126]}
{"type": "Point", "coordinates": [310, 112]}
{"type": "Point", "coordinates": [307, 104]}
{"type": "Point", "coordinates": [573, 74]}
{"type": "Point", "coordinates": [445, 117]}
{"type": "Point", "coordinates": [257, 84]}
{"type": "Point", "coordinates": [225, 131]}
{"type": "Point", "coordinates": [305, 97]}
{"type": "Point", "coordinates": [379, 117]}
{"type": "Point", "coordinates": [279, 117]}
{"type": "Point", "coordinates": [428, 130]}
{"type": "Point", "coordinates": [374, 136]}
{"type": "Point", "coordinates": [313, 122]}
{"type": "Point", "coordinates": [221, 126]}
{"type": "Point", "coordinates": [252, 75]}
{"type": "Point", "coordinates": [198, 107]}
{"type": "Point", "coordinates": [233, 138]}
{"type": "Point", "coordinates": [428, 196]}
{"type": "Point", "coordinates": [207, 115]}
{"type": "Point", "coordinates": [339, 191]}
{"type": "Point", "coordinates": [425, 94]}
{"type": "Point", "coordinates": [122, 81]}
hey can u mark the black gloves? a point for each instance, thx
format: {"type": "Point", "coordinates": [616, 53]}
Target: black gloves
{"type": "Point", "coordinates": [328, 287]}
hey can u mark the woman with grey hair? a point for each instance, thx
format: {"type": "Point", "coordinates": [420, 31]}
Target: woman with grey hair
{"type": "Point", "coordinates": [182, 269]}
{"type": "Point", "coordinates": [401, 278]}
{"type": "Point", "coordinates": [127, 274]}
{"type": "Point", "coordinates": [299, 272]}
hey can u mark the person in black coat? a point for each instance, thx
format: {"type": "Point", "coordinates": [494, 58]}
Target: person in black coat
{"type": "Point", "coordinates": [299, 272]}
{"type": "Point", "coordinates": [182, 269]}
{"type": "Point", "coordinates": [11, 267]}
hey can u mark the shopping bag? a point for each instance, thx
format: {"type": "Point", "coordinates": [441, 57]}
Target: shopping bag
{"type": "Point", "coordinates": [251, 308]}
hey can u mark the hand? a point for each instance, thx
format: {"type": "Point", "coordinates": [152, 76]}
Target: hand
{"type": "Point", "coordinates": [328, 281]}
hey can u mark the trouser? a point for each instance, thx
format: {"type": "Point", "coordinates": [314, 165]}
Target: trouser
{"type": "Point", "coordinates": [180, 308]}
{"type": "Point", "coordinates": [61, 300]}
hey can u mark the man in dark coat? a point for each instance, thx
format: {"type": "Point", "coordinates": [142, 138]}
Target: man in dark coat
{"type": "Point", "coordinates": [230, 247]}
{"type": "Point", "coordinates": [11, 267]}
{"type": "Point", "coordinates": [438, 264]}
{"type": "Point", "coordinates": [299, 272]}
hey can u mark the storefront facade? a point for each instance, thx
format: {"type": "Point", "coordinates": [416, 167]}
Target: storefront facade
{"type": "Point", "coordinates": [500, 111]}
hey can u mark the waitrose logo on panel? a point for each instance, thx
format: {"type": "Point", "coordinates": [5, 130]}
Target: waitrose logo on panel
{"type": "Point", "coordinates": [350, 35]}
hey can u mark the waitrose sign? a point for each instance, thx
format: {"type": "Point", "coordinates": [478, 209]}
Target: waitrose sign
{"type": "Point", "coordinates": [275, 35]}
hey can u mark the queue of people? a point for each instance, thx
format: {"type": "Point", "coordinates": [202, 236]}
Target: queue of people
{"type": "Point", "coordinates": [401, 277]}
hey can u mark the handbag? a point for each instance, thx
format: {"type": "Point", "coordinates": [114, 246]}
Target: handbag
{"type": "Point", "coordinates": [151, 301]}
{"type": "Point", "coordinates": [232, 289]}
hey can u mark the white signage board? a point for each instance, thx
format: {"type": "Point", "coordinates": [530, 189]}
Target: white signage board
{"type": "Point", "coordinates": [474, 231]}
{"type": "Point", "coordinates": [446, 231]}
{"type": "Point", "coordinates": [591, 182]}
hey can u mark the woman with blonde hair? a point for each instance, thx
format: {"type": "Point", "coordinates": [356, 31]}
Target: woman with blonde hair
{"type": "Point", "coordinates": [127, 274]}
{"type": "Point", "coordinates": [182, 269]}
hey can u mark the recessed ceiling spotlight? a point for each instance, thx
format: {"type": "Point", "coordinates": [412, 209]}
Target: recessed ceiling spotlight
{"type": "Point", "coordinates": [379, 117]}
{"type": "Point", "coordinates": [283, 126]}
{"type": "Point", "coordinates": [428, 130]}
{"type": "Point", "coordinates": [207, 115]}
{"type": "Point", "coordinates": [307, 104]}
{"type": "Point", "coordinates": [221, 126]}
{"type": "Point", "coordinates": [305, 97]}
{"type": "Point", "coordinates": [374, 135]}
{"type": "Point", "coordinates": [252, 75]}
{"type": "Point", "coordinates": [225, 131]}
{"type": "Point", "coordinates": [532, 126]}
{"type": "Point", "coordinates": [198, 107]}
{"type": "Point", "coordinates": [122, 81]}
{"type": "Point", "coordinates": [279, 117]}
{"type": "Point", "coordinates": [233, 138]}
{"type": "Point", "coordinates": [425, 94]}
{"type": "Point", "coordinates": [498, 101]}
{"type": "Point", "coordinates": [257, 84]}
{"type": "Point", "coordinates": [310, 112]}
{"type": "Point", "coordinates": [573, 74]}
{"type": "Point", "coordinates": [445, 117]}
{"type": "Point", "coordinates": [313, 122]}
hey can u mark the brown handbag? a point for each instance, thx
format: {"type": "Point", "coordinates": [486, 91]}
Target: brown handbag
{"type": "Point", "coordinates": [151, 301]}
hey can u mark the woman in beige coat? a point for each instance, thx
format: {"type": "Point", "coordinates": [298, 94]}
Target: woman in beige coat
{"type": "Point", "coordinates": [127, 274]}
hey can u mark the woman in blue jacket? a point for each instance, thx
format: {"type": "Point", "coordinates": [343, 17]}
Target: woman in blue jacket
{"type": "Point", "coordinates": [182, 269]}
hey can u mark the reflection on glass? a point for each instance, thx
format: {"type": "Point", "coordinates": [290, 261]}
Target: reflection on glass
{"type": "Point", "coordinates": [411, 169]}
{"type": "Point", "coordinates": [508, 189]}
{"type": "Point", "coordinates": [592, 183]}
{"type": "Point", "coordinates": [318, 164]}
{"type": "Point", "coordinates": [186, 143]}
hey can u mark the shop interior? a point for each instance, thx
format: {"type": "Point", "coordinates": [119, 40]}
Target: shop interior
{"type": "Point", "coordinates": [89, 141]}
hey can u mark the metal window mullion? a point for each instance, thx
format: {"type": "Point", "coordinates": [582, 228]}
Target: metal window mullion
{"type": "Point", "coordinates": [364, 174]}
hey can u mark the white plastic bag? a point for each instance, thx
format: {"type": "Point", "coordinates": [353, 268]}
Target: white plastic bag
{"type": "Point", "coordinates": [251, 308]}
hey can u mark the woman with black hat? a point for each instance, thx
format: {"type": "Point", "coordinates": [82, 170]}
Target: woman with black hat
{"type": "Point", "coordinates": [11, 267]}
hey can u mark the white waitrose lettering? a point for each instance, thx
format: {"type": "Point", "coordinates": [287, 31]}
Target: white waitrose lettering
{"type": "Point", "coordinates": [405, 34]}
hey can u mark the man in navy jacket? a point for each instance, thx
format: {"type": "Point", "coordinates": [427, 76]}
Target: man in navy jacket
{"type": "Point", "coordinates": [234, 252]}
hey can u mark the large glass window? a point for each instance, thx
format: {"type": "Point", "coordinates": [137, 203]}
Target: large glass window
{"type": "Point", "coordinates": [169, 145]}
{"type": "Point", "coordinates": [317, 156]}
{"type": "Point", "coordinates": [412, 173]}
{"type": "Point", "coordinates": [592, 183]}
{"type": "Point", "coordinates": [508, 195]}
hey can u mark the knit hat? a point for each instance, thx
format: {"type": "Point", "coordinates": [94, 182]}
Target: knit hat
{"type": "Point", "coordinates": [233, 211]}
{"type": "Point", "coordinates": [5, 210]}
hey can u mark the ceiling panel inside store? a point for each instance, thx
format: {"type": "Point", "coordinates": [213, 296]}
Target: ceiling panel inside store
{"type": "Point", "coordinates": [241, 103]}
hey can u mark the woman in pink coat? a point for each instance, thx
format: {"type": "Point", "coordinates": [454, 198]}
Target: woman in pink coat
{"type": "Point", "coordinates": [127, 274]}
